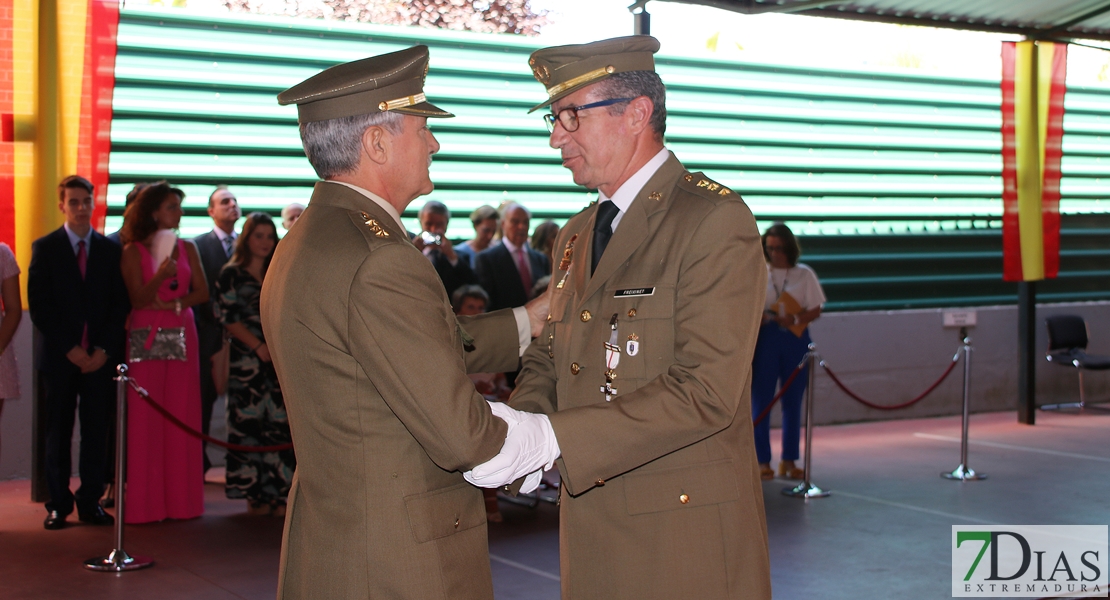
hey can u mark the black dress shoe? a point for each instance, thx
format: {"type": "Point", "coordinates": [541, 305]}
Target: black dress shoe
{"type": "Point", "coordinates": [54, 520]}
{"type": "Point", "coordinates": [96, 516]}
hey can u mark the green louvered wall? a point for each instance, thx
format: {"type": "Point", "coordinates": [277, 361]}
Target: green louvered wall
{"type": "Point", "coordinates": [892, 180]}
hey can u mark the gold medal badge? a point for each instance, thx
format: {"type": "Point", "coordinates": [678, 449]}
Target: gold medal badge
{"type": "Point", "coordinates": [568, 256]}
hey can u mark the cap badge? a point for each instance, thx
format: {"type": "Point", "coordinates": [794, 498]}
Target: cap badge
{"type": "Point", "coordinates": [541, 73]}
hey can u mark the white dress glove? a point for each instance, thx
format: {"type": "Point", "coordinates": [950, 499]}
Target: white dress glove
{"type": "Point", "coordinates": [530, 447]}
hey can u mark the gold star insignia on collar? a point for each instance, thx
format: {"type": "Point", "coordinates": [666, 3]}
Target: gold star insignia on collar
{"type": "Point", "coordinates": [374, 226]}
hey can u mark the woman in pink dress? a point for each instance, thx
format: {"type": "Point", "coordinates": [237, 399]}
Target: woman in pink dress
{"type": "Point", "coordinates": [165, 473]}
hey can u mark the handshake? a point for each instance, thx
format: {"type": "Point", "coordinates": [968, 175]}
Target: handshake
{"type": "Point", "coordinates": [530, 448]}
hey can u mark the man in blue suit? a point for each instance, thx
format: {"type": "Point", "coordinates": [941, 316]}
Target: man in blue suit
{"type": "Point", "coordinates": [215, 249]}
{"type": "Point", "coordinates": [509, 270]}
{"type": "Point", "coordinates": [78, 301]}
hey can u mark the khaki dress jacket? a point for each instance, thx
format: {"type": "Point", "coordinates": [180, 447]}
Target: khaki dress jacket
{"type": "Point", "coordinates": [384, 419]}
{"type": "Point", "coordinates": [661, 494]}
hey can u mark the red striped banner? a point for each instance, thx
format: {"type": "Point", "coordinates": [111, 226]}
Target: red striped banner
{"type": "Point", "coordinates": [97, 87]}
{"type": "Point", "coordinates": [1033, 87]}
{"type": "Point", "coordinates": [7, 129]}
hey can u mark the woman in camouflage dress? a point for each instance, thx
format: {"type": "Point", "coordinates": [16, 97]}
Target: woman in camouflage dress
{"type": "Point", "coordinates": [255, 408]}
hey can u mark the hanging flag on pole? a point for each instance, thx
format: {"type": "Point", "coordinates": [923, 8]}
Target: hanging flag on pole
{"type": "Point", "coordinates": [1033, 86]}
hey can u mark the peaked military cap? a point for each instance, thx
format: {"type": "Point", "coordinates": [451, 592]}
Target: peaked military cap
{"type": "Point", "coordinates": [566, 69]}
{"type": "Point", "coordinates": [388, 82]}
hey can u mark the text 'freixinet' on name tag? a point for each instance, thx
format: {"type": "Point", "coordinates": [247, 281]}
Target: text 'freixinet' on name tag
{"type": "Point", "coordinates": [1029, 561]}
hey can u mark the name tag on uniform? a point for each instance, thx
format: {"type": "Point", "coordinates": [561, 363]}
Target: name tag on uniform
{"type": "Point", "coordinates": [634, 292]}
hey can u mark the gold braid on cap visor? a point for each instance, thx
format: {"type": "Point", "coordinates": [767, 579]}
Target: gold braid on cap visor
{"type": "Point", "coordinates": [402, 102]}
{"type": "Point", "coordinates": [585, 78]}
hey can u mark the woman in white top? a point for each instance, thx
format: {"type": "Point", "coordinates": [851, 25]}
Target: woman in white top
{"type": "Point", "coordinates": [12, 313]}
{"type": "Point", "coordinates": [794, 300]}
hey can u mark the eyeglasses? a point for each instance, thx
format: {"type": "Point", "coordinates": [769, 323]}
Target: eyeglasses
{"type": "Point", "coordinates": [568, 117]}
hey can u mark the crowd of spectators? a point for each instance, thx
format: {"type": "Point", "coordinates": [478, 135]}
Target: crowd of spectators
{"type": "Point", "coordinates": [184, 316]}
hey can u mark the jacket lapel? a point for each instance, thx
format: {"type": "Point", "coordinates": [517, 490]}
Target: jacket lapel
{"type": "Point", "coordinates": [633, 229]}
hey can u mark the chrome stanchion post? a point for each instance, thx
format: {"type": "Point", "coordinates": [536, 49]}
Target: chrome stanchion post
{"type": "Point", "coordinates": [964, 472]}
{"type": "Point", "coordinates": [806, 489]}
{"type": "Point", "coordinates": [118, 560]}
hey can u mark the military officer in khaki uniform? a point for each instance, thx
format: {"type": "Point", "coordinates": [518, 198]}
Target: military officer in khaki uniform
{"type": "Point", "coordinates": [644, 370]}
{"type": "Point", "coordinates": [373, 362]}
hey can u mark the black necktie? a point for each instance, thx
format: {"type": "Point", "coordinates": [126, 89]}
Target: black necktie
{"type": "Point", "coordinates": [603, 230]}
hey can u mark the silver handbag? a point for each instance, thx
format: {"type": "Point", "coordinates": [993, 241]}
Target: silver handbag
{"type": "Point", "coordinates": [164, 343]}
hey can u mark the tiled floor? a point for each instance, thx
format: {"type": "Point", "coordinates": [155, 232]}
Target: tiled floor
{"type": "Point", "coordinates": [885, 532]}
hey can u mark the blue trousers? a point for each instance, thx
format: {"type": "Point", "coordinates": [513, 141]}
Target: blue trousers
{"type": "Point", "coordinates": [777, 354]}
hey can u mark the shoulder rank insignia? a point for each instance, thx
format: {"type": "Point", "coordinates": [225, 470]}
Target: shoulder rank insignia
{"type": "Point", "coordinates": [713, 186]}
{"type": "Point", "coordinates": [374, 226]}
{"type": "Point", "coordinates": [654, 196]}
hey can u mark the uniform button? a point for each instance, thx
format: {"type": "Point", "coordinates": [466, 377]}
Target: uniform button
{"type": "Point", "coordinates": [574, 368]}
{"type": "Point", "coordinates": [683, 499]}
{"type": "Point", "coordinates": [548, 317]}
{"type": "Point", "coordinates": [394, 476]}
{"type": "Point", "coordinates": [586, 316]}
{"type": "Point", "coordinates": [599, 482]}
{"type": "Point", "coordinates": [456, 523]}
{"type": "Point", "coordinates": [632, 312]}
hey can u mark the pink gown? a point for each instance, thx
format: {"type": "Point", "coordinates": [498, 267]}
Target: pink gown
{"type": "Point", "coordinates": [165, 472]}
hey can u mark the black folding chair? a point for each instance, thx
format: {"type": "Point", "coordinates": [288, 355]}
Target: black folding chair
{"type": "Point", "coordinates": [1067, 347]}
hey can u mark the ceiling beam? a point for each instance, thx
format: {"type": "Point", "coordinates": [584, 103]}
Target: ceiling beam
{"type": "Point", "coordinates": [1072, 22]}
{"type": "Point", "coordinates": [793, 7]}
{"type": "Point", "coordinates": [941, 23]}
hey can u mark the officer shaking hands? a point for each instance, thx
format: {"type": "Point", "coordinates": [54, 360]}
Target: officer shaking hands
{"type": "Point", "coordinates": [639, 387]}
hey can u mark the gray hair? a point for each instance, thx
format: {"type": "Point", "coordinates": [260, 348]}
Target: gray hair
{"type": "Point", "coordinates": [333, 146]}
{"type": "Point", "coordinates": [633, 84]}
{"type": "Point", "coordinates": [509, 206]}
{"type": "Point", "coordinates": [435, 207]}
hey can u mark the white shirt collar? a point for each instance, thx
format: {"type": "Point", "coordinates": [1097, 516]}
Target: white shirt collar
{"type": "Point", "coordinates": [74, 238]}
{"type": "Point", "coordinates": [628, 191]}
{"type": "Point", "coordinates": [511, 247]}
{"type": "Point", "coordinates": [222, 235]}
{"type": "Point", "coordinates": [387, 207]}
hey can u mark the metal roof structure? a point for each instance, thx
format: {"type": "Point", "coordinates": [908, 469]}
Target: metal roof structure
{"type": "Point", "coordinates": [1039, 19]}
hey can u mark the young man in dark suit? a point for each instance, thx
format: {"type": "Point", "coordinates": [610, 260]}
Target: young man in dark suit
{"type": "Point", "coordinates": [215, 248]}
{"type": "Point", "coordinates": [78, 301]}
{"type": "Point", "coordinates": [508, 270]}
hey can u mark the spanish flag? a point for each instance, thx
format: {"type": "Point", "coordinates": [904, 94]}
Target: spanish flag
{"type": "Point", "coordinates": [57, 76]}
{"type": "Point", "coordinates": [1033, 86]}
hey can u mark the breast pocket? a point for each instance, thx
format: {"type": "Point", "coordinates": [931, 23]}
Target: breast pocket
{"type": "Point", "coordinates": [645, 332]}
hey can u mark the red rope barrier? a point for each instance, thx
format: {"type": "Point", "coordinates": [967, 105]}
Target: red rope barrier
{"type": "Point", "coordinates": [193, 432]}
{"type": "Point", "coordinates": [782, 390]}
{"type": "Point", "coordinates": [921, 397]}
